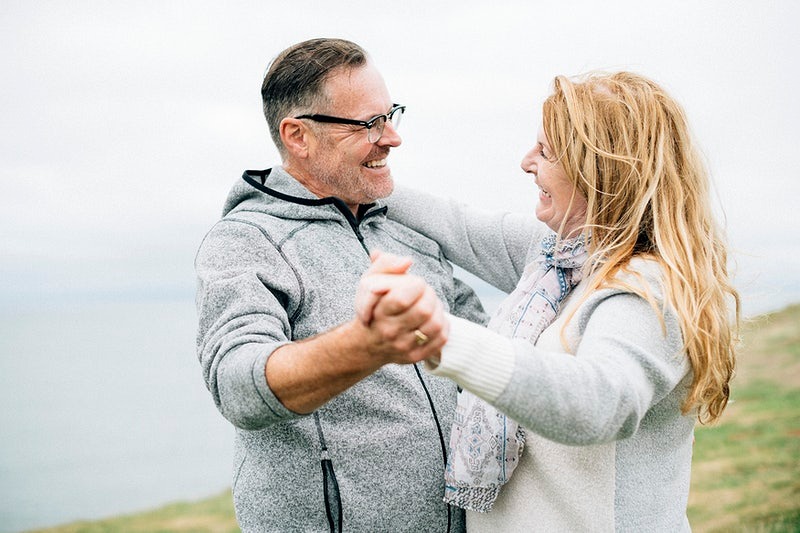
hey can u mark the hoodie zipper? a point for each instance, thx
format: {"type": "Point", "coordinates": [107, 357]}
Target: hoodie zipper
{"type": "Point", "coordinates": [355, 224]}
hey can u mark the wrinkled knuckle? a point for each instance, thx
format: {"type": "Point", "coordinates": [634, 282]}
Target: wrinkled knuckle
{"type": "Point", "coordinates": [391, 333]}
{"type": "Point", "coordinates": [417, 282]}
{"type": "Point", "coordinates": [426, 313]}
{"type": "Point", "coordinates": [407, 301]}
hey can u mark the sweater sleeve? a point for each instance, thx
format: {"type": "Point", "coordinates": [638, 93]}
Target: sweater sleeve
{"type": "Point", "coordinates": [623, 366]}
{"type": "Point", "coordinates": [492, 246]}
{"type": "Point", "coordinates": [242, 290]}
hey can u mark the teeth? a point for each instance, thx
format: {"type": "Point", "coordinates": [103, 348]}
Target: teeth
{"type": "Point", "coordinates": [544, 192]}
{"type": "Point", "coordinates": [375, 164]}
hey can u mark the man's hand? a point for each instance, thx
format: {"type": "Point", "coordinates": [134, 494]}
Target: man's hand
{"type": "Point", "coordinates": [376, 282]}
{"type": "Point", "coordinates": [399, 320]}
{"type": "Point", "coordinates": [404, 317]}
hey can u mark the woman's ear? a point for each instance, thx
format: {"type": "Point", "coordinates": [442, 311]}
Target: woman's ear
{"type": "Point", "coordinates": [295, 136]}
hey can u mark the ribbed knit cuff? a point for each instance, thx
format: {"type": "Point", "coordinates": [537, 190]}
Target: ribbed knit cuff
{"type": "Point", "coordinates": [479, 360]}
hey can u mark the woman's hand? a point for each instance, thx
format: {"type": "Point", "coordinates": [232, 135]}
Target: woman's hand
{"type": "Point", "coordinates": [400, 310]}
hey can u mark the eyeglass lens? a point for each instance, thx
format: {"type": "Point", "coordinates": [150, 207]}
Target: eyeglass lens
{"type": "Point", "coordinates": [376, 131]}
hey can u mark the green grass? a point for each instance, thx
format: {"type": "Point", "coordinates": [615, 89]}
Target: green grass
{"type": "Point", "coordinates": [214, 515]}
{"type": "Point", "coordinates": [746, 469]}
{"type": "Point", "coordinates": [745, 472]}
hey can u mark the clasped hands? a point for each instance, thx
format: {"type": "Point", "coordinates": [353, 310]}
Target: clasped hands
{"type": "Point", "coordinates": [405, 318]}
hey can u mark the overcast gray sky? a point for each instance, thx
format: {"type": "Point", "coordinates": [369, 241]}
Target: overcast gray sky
{"type": "Point", "coordinates": [125, 123]}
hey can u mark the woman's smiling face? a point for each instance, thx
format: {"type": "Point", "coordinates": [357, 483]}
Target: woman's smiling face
{"type": "Point", "coordinates": [560, 203]}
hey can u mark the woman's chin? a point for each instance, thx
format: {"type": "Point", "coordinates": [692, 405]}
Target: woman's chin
{"type": "Point", "coordinates": [543, 218]}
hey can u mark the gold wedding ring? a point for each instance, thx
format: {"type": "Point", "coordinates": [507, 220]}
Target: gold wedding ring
{"type": "Point", "coordinates": [420, 337]}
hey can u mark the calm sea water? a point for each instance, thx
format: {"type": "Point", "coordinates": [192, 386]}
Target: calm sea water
{"type": "Point", "coordinates": [104, 411]}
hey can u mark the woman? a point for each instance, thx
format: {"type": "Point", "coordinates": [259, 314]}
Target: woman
{"type": "Point", "coordinates": [617, 337]}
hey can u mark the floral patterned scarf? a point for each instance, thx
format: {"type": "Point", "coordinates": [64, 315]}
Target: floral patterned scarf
{"type": "Point", "coordinates": [485, 445]}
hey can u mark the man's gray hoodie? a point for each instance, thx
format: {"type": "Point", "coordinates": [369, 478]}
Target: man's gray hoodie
{"type": "Point", "coordinates": [283, 265]}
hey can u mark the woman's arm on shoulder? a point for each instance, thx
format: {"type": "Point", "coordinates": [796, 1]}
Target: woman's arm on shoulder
{"type": "Point", "coordinates": [494, 246]}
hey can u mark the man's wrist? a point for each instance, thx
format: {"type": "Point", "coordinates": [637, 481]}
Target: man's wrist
{"type": "Point", "coordinates": [305, 374]}
{"type": "Point", "coordinates": [354, 343]}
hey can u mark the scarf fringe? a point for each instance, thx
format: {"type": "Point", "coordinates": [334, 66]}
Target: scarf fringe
{"type": "Point", "coordinates": [479, 499]}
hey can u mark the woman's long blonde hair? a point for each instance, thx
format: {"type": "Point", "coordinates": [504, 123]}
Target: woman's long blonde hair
{"type": "Point", "coordinates": [625, 144]}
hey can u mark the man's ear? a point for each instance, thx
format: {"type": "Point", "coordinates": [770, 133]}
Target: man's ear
{"type": "Point", "coordinates": [295, 135]}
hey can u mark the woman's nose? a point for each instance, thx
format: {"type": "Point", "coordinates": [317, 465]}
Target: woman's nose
{"type": "Point", "coordinates": [528, 163]}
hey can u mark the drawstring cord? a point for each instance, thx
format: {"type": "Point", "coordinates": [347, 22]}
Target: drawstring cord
{"type": "Point", "coordinates": [333, 501]}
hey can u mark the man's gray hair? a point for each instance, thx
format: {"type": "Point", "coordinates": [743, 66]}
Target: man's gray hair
{"type": "Point", "coordinates": [296, 78]}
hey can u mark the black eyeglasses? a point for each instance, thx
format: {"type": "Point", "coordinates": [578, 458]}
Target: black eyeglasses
{"type": "Point", "coordinates": [374, 126]}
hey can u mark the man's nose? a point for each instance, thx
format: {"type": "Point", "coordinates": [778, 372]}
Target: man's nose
{"type": "Point", "coordinates": [390, 136]}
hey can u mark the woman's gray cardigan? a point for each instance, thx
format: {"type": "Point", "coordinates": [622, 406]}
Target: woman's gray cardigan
{"type": "Point", "coordinates": [607, 445]}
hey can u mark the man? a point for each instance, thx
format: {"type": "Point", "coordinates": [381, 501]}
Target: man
{"type": "Point", "coordinates": [335, 424]}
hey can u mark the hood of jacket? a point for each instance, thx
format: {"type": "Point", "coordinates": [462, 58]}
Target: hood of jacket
{"type": "Point", "coordinates": [275, 192]}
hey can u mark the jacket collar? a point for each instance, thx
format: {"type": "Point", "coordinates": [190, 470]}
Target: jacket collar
{"type": "Point", "coordinates": [279, 185]}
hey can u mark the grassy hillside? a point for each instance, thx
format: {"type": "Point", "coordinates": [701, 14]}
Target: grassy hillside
{"type": "Point", "coordinates": [214, 515]}
{"type": "Point", "coordinates": [746, 471]}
